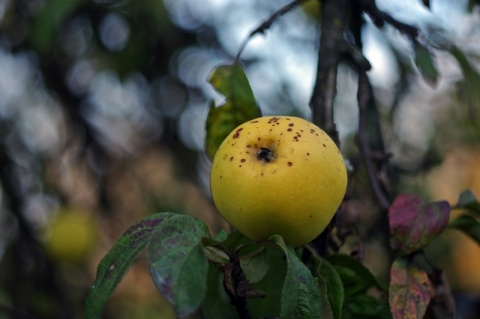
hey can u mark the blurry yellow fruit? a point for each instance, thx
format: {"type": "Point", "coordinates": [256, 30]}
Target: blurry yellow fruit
{"type": "Point", "coordinates": [71, 236]}
{"type": "Point", "coordinates": [278, 175]}
{"type": "Point", "coordinates": [459, 171]}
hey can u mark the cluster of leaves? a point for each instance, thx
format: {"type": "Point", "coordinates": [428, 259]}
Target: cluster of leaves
{"type": "Point", "coordinates": [181, 253]}
{"type": "Point", "coordinates": [189, 266]}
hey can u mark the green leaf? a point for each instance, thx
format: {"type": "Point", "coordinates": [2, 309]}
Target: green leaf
{"type": "Point", "coordinates": [414, 224]}
{"type": "Point", "coordinates": [410, 290]}
{"type": "Point", "coordinates": [426, 65]}
{"type": "Point", "coordinates": [469, 225]}
{"type": "Point", "coordinates": [356, 278]}
{"type": "Point", "coordinates": [271, 284]}
{"type": "Point", "coordinates": [217, 303]}
{"type": "Point", "coordinates": [301, 296]}
{"type": "Point", "coordinates": [329, 278]}
{"type": "Point", "coordinates": [467, 200]}
{"type": "Point", "coordinates": [241, 106]}
{"type": "Point", "coordinates": [255, 264]}
{"type": "Point", "coordinates": [367, 307]}
{"type": "Point", "coordinates": [178, 264]}
{"type": "Point", "coordinates": [118, 260]}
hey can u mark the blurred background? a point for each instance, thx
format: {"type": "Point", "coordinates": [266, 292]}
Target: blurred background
{"type": "Point", "coordinates": [102, 111]}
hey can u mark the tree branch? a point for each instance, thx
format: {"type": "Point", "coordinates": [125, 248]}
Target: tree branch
{"type": "Point", "coordinates": [333, 17]}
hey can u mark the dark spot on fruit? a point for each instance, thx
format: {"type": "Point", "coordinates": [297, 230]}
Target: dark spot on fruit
{"type": "Point", "coordinates": [261, 174]}
{"type": "Point", "coordinates": [265, 154]}
{"type": "Point", "coordinates": [239, 165]}
{"type": "Point", "coordinates": [289, 163]}
{"type": "Point", "coordinates": [311, 216]}
{"type": "Point", "coordinates": [259, 139]}
{"type": "Point", "coordinates": [308, 154]}
{"type": "Point", "coordinates": [289, 129]}
{"type": "Point", "coordinates": [231, 158]}
{"type": "Point", "coordinates": [248, 146]}
{"type": "Point", "coordinates": [220, 177]}
{"type": "Point", "coordinates": [237, 133]}
{"type": "Point", "coordinates": [324, 145]}
{"type": "Point", "coordinates": [291, 124]}
{"type": "Point", "coordinates": [242, 160]}
{"type": "Point", "coordinates": [254, 122]}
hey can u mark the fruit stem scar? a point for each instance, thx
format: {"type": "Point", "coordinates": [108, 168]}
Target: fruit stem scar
{"type": "Point", "coordinates": [265, 154]}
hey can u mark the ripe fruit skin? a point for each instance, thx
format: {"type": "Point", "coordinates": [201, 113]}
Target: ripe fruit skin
{"type": "Point", "coordinates": [278, 175]}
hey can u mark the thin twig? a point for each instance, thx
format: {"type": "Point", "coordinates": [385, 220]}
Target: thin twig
{"type": "Point", "coordinates": [267, 24]}
{"type": "Point", "coordinates": [379, 18]}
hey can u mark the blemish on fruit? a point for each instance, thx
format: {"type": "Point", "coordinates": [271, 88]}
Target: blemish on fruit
{"type": "Point", "coordinates": [291, 124]}
{"type": "Point", "coordinates": [242, 160]}
{"type": "Point", "coordinates": [289, 129]}
{"type": "Point", "coordinates": [324, 145]}
{"type": "Point", "coordinates": [253, 121]}
{"type": "Point", "coordinates": [239, 165]}
{"type": "Point", "coordinates": [248, 146]}
{"type": "Point", "coordinates": [231, 158]}
{"type": "Point", "coordinates": [259, 139]}
{"type": "Point", "coordinates": [289, 163]}
{"type": "Point", "coordinates": [308, 154]}
{"type": "Point", "coordinates": [237, 133]}
{"type": "Point", "coordinates": [265, 154]}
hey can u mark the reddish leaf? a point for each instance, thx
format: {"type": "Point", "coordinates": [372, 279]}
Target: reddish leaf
{"type": "Point", "coordinates": [410, 290]}
{"type": "Point", "coordinates": [414, 224]}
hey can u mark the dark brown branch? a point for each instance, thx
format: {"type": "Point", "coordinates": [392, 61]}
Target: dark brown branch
{"type": "Point", "coordinates": [333, 17]}
{"type": "Point", "coordinates": [267, 24]}
{"type": "Point", "coordinates": [364, 97]}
